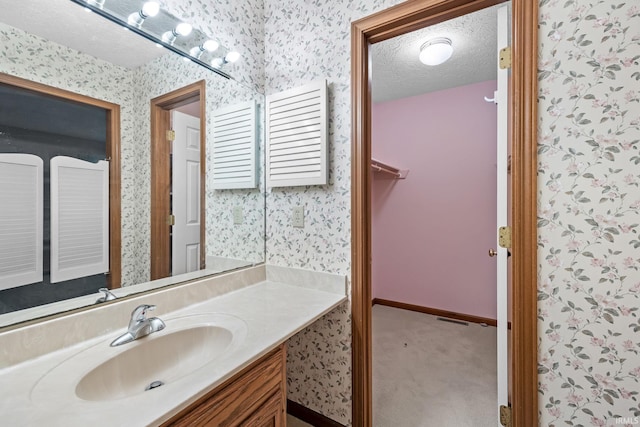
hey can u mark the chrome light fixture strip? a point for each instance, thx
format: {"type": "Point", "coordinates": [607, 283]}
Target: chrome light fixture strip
{"type": "Point", "coordinates": [122, 21]}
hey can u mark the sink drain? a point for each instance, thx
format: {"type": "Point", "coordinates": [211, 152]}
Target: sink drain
{"type": "Point", "coordinates": [154, 384]}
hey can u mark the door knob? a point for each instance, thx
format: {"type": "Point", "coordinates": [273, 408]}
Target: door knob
{"type": "Point", "coordinates": [492, 253]}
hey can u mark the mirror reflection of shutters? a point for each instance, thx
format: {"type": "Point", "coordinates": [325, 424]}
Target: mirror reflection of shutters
{"type": "Point", "coordinates": [235, 146]}
{"type": "Point", "coordinates": [21, 219]}
{"type": "Point", "coordinates": [79, 218]}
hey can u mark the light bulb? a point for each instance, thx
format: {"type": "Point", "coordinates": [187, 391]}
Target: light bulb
{"type": "Point", "coordinates": [184, 29]}
{"type": "Point", "coordinates": [232, 56]}
{"type": "Point", "coordinates": [217, 62]}
{"type": "Point", "coordinates": [150, 8]}
{"type": "Point", "coordinates": [97, 3]}
{"type": "Point", "coordinates": [436, 51]}
{"type": "Point", "coordinates": [210, 45]}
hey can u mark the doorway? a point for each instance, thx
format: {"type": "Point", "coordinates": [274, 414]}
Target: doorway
{"type": "Point", "coordinates": [400, 20]}
{"type": "Point", "coordinates": [178, 153]}
{"type": "Point", "coordinates": [434, 286]}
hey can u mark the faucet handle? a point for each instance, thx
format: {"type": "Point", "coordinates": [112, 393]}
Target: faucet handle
{"type": "Point", "coordinates": [108, 296]}
{"type": "Point", "coordinates": [139, 313]}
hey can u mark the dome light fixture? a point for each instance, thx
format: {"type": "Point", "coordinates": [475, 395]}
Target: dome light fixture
{"type": "Point", "coordinates": [436, 51]}
{"type": "Point", "coordinates": [149, 9]}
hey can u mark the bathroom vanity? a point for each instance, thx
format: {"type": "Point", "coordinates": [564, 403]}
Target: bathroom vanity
{"type": "Point", "coordinates": [254, 398]}
{"type": "Point", "coordinates": [220, 360]}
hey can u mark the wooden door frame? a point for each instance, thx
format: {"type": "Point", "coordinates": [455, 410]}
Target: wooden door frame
{"type": "Point", "coordinates": [398, 20]}
{"type": "Point", "coordinates": [113, 154]}
{"type": "Point", "coordinates": [161, 178]}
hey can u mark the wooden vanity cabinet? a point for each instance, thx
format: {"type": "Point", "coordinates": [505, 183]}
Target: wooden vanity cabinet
{"type": "Point", "coordinates": [256, 397]}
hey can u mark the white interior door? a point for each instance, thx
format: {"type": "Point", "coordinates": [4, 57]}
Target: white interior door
{"type": "Point", "coordinates": [185, 187]}
{"type": "Point", "coordinates": [502, 97]}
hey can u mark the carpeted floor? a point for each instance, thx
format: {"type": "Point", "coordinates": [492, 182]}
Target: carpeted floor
{"type": "Point", "coordinates": [294, 422]}
{"type": "Point", "coordinates": [430, 373]}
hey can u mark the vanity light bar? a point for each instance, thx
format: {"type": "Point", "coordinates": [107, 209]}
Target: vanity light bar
{"type": "Point", "coordinates": [168, 39]}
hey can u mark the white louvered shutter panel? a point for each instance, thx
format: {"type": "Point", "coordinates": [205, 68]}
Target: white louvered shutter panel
{"type": "Point", "coordinates": [234, 146]}
{"type": "Point", "coordinates": [21, 206]}
{"type": "Point", "coordinates": [79, 218]}
{"type": "Point", "coordinates": [297, 136]}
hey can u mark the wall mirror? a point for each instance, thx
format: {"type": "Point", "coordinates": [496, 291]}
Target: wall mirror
{"type": "Point", "coordinates": [78, 95]}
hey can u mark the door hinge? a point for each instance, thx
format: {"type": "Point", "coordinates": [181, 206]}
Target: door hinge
{"type": "Point", "coordinates": [505, 57]}
{"type": "Point", "coordinates": [171, 220]}
{"type": "Point", "coordinates": [505, 415]}
{"type": "Point", "coordinates": [504, 237]}
{"type": "Point", "coordinates": [171, 135]}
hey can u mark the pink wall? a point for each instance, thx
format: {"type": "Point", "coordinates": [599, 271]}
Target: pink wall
{"type": "Point", "coordinates": [432, 231]}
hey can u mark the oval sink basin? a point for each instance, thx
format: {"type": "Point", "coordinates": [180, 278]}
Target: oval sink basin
{"type": "Point", "coordinates": [103, 373]}
{"type": "Point", "coordinates": [163, 359]}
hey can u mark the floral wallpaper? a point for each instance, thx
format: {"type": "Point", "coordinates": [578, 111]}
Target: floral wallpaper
{"type": "Point", "coordinates": [589, 212]}
{"type": "Point", "coordinates": [319, 359]}
{"type": "Point", "coordinates": [238, 25]}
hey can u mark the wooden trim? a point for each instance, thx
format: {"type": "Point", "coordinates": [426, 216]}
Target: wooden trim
{"type": "Point", "coordinates": [115, 199]}
{"type": "Point", "coordinates": [160, 186]}
{"type": "Point", "coordinates": [310, 416]}
{"type": "Point", "coordinates": [161, 177]}
{"type": "Point", "coordinates": [393, 22]}
{"type": "Point", "coordinates": [361, 348]}
{"type": "Point", "coordinates": [524, 176]}
{"type": "Point", "coordinates": [55, 92]}
{"type": "Point", "coordinates": [112, 152]}
{"type": "Point", "coordinates": [435, 312]}
{"type": "Point", "coordinates": [203, 175]}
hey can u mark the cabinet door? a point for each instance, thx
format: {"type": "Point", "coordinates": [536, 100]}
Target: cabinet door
{"type": "Point", "coordinates": [249, 396]}
{"type": "Point", "coordinates": [270, 414]}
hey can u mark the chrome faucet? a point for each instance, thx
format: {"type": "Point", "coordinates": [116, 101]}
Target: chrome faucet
{"type": "Point", "coordinates": [139, 325]}
{"type": "Point", "coordinates": [108, 296]}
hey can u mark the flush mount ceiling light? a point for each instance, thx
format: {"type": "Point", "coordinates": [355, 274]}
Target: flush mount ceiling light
{"type": "Point", "coordinates": [149, 9]}
{"type": "Point", "coordinates": [436, 51]}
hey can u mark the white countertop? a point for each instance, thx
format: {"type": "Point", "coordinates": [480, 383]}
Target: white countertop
{"type": "Point", "coordinates": [272, 312]}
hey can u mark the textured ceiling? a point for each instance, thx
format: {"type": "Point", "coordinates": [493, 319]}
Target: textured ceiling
{"type": "Point", "coordinates": [398, 73]}
{"type": "Point", "coordinates": [68, 24]}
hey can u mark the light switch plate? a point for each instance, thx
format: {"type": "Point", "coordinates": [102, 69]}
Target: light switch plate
{"type": "Point", "coordinates": [238, 215]}
{"type": "Point", "coordinates": [297, 217]}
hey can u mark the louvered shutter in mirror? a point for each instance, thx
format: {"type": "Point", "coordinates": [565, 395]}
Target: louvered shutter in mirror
{"type": "Point", "coordinates": [21, 206]}
{"type": "Point", "coordinates": [79, 218]}
{"type": "Point", "coordinates": [234, 146]}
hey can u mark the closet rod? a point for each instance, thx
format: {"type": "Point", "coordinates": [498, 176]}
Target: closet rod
{"type": "Point", "coordinates": [385, 170]}
{"type": "Point", "coordinates": [379, 166]}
